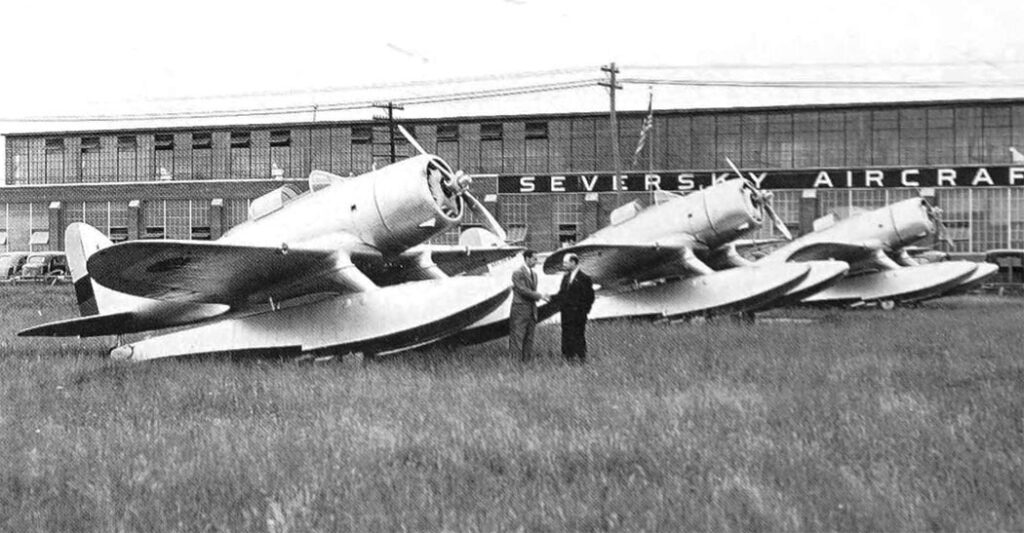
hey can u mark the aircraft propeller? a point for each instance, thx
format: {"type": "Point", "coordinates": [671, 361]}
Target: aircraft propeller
{"type": "Point", "coordinates": [935, 213]}
{"type": "Point", "coordinates": [459, 183]}
{"type": "Point", "coordinates": [765, 199]}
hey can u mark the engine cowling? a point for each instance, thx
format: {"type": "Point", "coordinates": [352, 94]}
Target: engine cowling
{"type": "Point", "coordinates": [910, 221]}
{"type": "Point", "coordinates": [391, 209]}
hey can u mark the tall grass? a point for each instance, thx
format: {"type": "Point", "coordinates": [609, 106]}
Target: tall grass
{"type": "Point", "coordinates": [863, 420]}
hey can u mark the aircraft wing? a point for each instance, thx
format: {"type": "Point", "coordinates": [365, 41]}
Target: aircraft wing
{"type": "Point", "coordinates": [850, 252]}
{"type": "Point", "coordinates": [616, 264]}
{"type": "Point", "coordinates": [454, 259]}
{"type": "Point", "coordinates": [213, 272]}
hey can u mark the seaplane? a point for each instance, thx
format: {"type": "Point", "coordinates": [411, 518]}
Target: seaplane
{"type": "Point", "coordinates": [875, 245]}
{"type": "Point", "coordinates": [339, 268]}
{"type": "Point", "coordinates": [656, 262]}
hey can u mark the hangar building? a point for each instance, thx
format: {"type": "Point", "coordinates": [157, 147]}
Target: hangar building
{"type": "Point", "coordinates": [549, 178]}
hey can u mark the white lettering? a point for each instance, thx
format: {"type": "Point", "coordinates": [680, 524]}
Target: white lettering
{"type": "Point", "coordinates": [1016, 173]}
{"type": "Point", "coordinates": [873, 176]}
{"type": "Point", "coordinates": [526, 184]}
{"type": "Point", "coordinates": [652, 182]}
{"type": "Point", "coordinates": [557, 183]}
{"type": "Point", "coordinates": [758, 178]}
{"type": "Point", "coordinates": [718, 178]}
{"type": "Point", "coordinates": [684, 182]}
{"type": "Point", "coordinates": [946, 176]}
{"type": "Point", "coordinates": [849, 178]}
{"type": "Point", "coordinates": [620, 183]}
{"type": "Point", "coordinates": [589, 185]}
{"type": "Point", "coordinates": [982, 175]}
{"type": "Point", "coordinates": [823, 179]}
{"type": "Point", "coordinates": [905, 175]}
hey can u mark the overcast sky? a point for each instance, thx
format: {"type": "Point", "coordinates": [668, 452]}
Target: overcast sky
{"type": "Point", "coordinates": [107, 57]}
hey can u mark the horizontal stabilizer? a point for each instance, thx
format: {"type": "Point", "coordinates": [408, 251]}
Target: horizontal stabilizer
{"type": "Point", "coordinates": [86, 326]}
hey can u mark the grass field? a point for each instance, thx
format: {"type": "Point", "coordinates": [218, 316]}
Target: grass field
{"type": "Point", "coordinates": [911, 419]}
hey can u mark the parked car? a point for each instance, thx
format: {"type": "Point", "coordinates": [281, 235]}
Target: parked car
{"type": "Point", "coordinates": [1011, 265]}
{"type": "Point", "coordinates": [45, 266]}
{"type": "Point", "coordinates": [10, 265]}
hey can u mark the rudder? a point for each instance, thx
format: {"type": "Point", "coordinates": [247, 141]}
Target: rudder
{"type": "Point", "coordinates": [81, 241]}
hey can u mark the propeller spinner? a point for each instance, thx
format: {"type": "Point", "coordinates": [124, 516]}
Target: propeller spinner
{"type": "Point", "coordinates": [765, 200]}
{"type": "Point", "coordinates": [459, 183]}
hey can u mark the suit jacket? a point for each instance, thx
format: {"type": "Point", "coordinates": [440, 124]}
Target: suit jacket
{"type": "Point", "coordinates": [524, 287]}
{"type": "Point", "coordinates": [576, 298]}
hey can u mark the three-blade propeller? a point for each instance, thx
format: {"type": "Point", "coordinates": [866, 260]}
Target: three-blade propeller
{"type": "Point", "coordinates": [765, 198]}
{"type": "Point", "coordinates": [459, 182]}
{"type": "Point", "coordinates": [935, 213]}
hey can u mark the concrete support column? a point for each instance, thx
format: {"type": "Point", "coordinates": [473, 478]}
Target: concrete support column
{"type": "Point", "coordinates": [134, 219]}
{"type": "Point", "coordinates": [216, 218]}
{"type": "Point", "coordinates": [56, 226]}
{"type": "Point", "coordinates": [809, 211]}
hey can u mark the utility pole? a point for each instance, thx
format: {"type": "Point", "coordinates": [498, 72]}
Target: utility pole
{"type": "Point", "coordinates": [390, 118]}
{"type": "Point", "coordinates": [612, 86]}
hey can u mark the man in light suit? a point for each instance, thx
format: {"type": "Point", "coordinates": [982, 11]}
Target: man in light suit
{"type": "Point", "coordinates": [522, 318]}
{"type": "Point", "coordinates": [575, 297]}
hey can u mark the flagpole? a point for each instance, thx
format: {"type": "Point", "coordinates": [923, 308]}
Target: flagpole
{"type": "Point", "coordinates": [650, 152]}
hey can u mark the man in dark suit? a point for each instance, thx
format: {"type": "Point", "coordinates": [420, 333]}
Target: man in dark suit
{"type": "Point", "coordinates": [575, 297]}
{"type": "Point", "coordinates": [522, 317]}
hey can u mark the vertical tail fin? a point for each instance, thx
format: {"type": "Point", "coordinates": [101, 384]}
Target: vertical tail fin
{"type": "Point", "coordinates": [81, 241]}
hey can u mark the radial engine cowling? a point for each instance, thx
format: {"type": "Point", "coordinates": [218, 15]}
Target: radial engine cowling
{"type": "Point", "coordinates": [414, 200]}
{"type": "Point", "coordinates": [910, 220]}
{"type": "Point", "coordinates": [728, 211]}
{"type": "Point", "coordinates": [391, 209]}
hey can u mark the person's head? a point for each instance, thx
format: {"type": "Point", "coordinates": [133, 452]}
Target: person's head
{"type": "Point", "coordinates": [530, 257]}
{"type": "Point", "coordinates": [570, 262]}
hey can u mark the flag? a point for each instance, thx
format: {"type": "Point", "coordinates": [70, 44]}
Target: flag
{"type": "Point", "coordinates": [646, 127]}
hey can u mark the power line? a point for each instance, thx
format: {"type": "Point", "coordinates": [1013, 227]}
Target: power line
{"type": "Point", "coordinates": [309, 108]}
{"type": "Point", "coordinates": [376, 86]}
{"type": "Point", "coordinates": [828, 84]}
{"type": "Point", "coordinates": [828, 64]}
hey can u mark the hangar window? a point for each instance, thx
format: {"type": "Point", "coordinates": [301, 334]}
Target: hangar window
{"type": "Point", "coordinates": [154, 232]}
{"type": "Point", "coordinates": [491, 131]}
{"type": "Point", "coordinates": [241, 139]}
{"type": "Point", "coordinates": [118, 233]}
{"type": "Point", "coordinates": [567, 234]}
{"type": "Point", "coordinates": [55, 145]}
{"type": "Point", "coordinates": [280, 138]}
{"type": "Point", "coordinates": [447, 132]}
{"type": "Point", "coordinates": [202, 140]}
{"type": "Point", "coordinates": [90, 144]}
{"type": "Point", "coordinates": [200, 233]}
{"type": "Point", "coordinates": [163, 141]}
{"type": "Point", "coordinates": [536, 130]}
{"type": "Point", "coordinates": [126, 143]}
{"type": "Point", "coordinates": [362, 134]}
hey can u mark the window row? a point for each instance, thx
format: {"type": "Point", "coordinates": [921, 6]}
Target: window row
{"type": "Point", "coordinates": [939, 135]}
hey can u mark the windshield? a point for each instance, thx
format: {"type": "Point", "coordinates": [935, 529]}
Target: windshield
{"type": "Point", "coordinates": [36, 260]}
